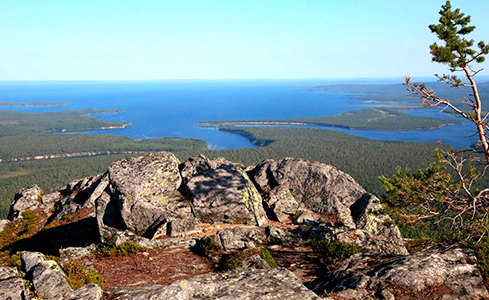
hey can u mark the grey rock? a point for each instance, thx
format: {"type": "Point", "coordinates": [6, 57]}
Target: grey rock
{"type": "Point", "coordinates": [241, 237]}
{"type": "Point", "coordinates": [90, 189]}
{"type": "Point", "coordinates": [306, 217]}
{"type": "Point", "coordinates": [330, 201]}
{"type": "Point", "coordinates": [281, 203]}
{"type": "Point", "coordinates": [367, 275]}
{"type": "Point", "coordinates": [182, 227]}
{"type": "Point", "coordinates": [255, 262]}
{"type": "Point", "coordinates": [284, 237]}
{"type": "Point", "coordinates": [71, 253]}
{"type": "Point", "coordinates": [225, 194]}
{"type": "Point", "coordinates": [240, 284]}
{"type": "Point", "coordinates": [30, 259]}
{"type": "Point", "coordinates": [26, 199]}
{"type": "Point", "coordinates": [198, 164]}
{"type": "Point", "coordinates": [388, 241]}
{"type": "Point", "coordinates": [315, 186]}
{"type": "Point", "coordinates": [3, 223]}
{"type": "Point", "coordinates": [11, 285]}
{"type": "Point", "coordinates": [87, 292]}
{"type": "Point", "coordinates": [49, 199]}
{"type": "Point", "coordinates": [48, 278]}
{"type": "Point", "coordinates": [143, 197]}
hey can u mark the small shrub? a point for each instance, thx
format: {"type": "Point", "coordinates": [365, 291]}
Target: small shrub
{"type": "Point", "coordinates": [109, 248]}
{"type": "Point", "coordinates": [207, 246]}
{"type": "Point", "coordinates": [267, 256]}
{"type": "Point", "coordinates": [235, 260]}
{"type": "Point", "coordinates": [78, 276]}
{"type": "Point", "coordinates": [334, 252]}
{"type": "Point", "coordinates": [416, 245]}
{"type": "Point", "coordinates": [10, 260]}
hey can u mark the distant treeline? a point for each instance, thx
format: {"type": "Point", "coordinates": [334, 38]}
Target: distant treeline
{"type": "Point", "coordinates": [35, 144]}
{"type": "Point", "coordinates": [398, 93]}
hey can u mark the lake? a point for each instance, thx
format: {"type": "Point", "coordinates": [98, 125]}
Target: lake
{"type": "Point", "coordinates": [174, 108]}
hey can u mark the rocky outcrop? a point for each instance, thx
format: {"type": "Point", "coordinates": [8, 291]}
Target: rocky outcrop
{"type": "Point", "coordinates": [146, 190]}
{"type": "Point", "coordinates": [158, 202]}
{"type": "Point", "coordinates": [25, 199]}
{"type": "Point", "coordinates": [225, 194]}
{"type": "Point", "coordinates": [315, 186]}
{"type": "Point", "coordinates": [155, 196]}
{"type": "Point", "coordinates": [240, 284]}
{"type": "Point", "coordinates": [11, 285]}
{"type": "Point", "coordinates": [449, 272]}
{"type": "Point", "coordinates": [89, 291]}
{"type": "Point", "coordinates": [49, 280]}
{"type": "Point", "coordinates": [239, 238]}
{"type": "Point", "coordinates": [332, 202]}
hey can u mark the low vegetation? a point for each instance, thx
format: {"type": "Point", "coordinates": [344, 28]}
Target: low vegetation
{"type": "Point", "coordinates": [333, 253]}
{"type": "Point", "coordinates": [77, 275]}
{"type": "Point", "coordinates": [19, 229]}
{"type": "Point", "coordinates": [235, 260]}
{"type": "Point", "coordinates": [109, 247]}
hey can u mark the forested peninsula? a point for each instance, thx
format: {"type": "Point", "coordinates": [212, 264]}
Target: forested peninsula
{"type": "Point", "coordinates": [14, 122]}
{"type": "Point", "coordinates": [365, 119]}
{"type": "Point", "coordinates": [396, 93]}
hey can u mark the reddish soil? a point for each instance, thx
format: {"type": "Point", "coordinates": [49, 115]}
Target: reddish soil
{"type": "Point", "coordinates": [152, 267]}
{"type": "Point", "coordinates": [302, 261]}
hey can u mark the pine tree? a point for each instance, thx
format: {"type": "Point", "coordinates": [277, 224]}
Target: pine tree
{"type": "Point", "coordinates": [460, 55]}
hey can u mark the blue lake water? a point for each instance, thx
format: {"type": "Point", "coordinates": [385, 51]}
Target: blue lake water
{"type": "Point", "coordinates": [174, 108]}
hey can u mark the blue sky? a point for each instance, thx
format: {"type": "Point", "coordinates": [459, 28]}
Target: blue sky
{"type": "Point", "coordinates": [160, 39]}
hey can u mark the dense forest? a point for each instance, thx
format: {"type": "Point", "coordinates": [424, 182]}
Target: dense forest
{"type": "Point", "coordinates": [30, 145]}
{"type": "Point", "coordinates": [14, 122]}
{"type": "Point", "coordinates": [365, 119]}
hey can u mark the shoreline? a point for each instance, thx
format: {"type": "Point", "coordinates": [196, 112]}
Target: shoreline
{"type": "Point", "coordinates": [90, 129]}
{"type": "Point", "coordinates": [218, 124]}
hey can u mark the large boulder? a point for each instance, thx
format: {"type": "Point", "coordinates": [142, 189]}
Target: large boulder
{"type": "Point", "coordinates": [444, 272]}
{"type": "Point", "coordinates": [48, 278]}
{"type": "Point", "coordinates": [374, 230]}
{"type": "Point", "coordinates": [89, 291]}
{"type": "Point", "coordinates": [86, 190]}
{"type": "Point", "coordinates": [143, 196]}
{"type": "Point", "coordinates": [330, 201]}
{"type": "Point", "coordinates": [222, 194]}
{"type": "Point", "coordinates": [240, 284]}
{"type": "Point", "coordinates": [241, 237]}
{"type": "Point", "coordinates": [11, 285]}
{"type": "Point", "coordinates": [314, 186]}
{"type": "Point", "coordinates": [28, 198]}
